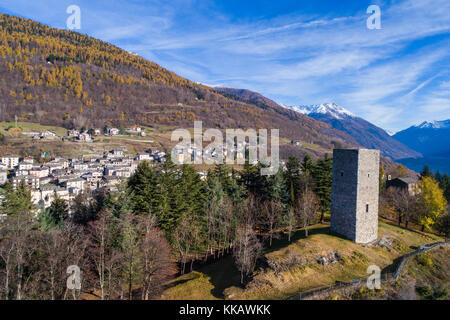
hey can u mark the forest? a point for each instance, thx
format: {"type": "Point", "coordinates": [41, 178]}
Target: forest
{"type": "Point", "coordinates": [165, 220]}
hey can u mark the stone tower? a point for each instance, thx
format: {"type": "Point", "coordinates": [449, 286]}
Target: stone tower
{"type": "Point", "coordinates": [354, 196]}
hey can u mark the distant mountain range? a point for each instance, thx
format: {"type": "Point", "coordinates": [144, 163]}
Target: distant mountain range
{"type": "Point", "coordinates": [431, 138]}
{"type": "Point", "coordinates": [365, 133]}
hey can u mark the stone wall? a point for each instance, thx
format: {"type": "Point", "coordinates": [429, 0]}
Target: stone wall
{"type": "Point", "coordinates": [354, 190]}
{"type": "Point", "coordinates": [368, 194]}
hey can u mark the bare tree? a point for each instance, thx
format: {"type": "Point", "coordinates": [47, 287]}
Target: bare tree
{"type": "Point", "coordinates": [155, 257]}
{"type": "Point", "coordinates": [307, 208]}
{"type": "Point", "coordinates": [247, 249]}
{"type": "Point", "coordinates": [53, 272]}
{"type": "Point", "coordinates": [291, 221]}
{"type": "Point", "coordinates": [270, 215]}
{"type": "Point", "coordinates": [404, 203]}
{"type": "Point", "coordinates": [76, 250]}
{"type": "Point", "coordinates": [23, 247]}
{"type": "Point", "coordinates": [7, 248]}
{"type": "Point", "coordinates": [130, 251]}
{"type": "Point", "coordinates": [103, 254]}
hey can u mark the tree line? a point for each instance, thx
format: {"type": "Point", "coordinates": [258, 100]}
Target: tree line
{"type": "Point", "coordinates": [165, 217]}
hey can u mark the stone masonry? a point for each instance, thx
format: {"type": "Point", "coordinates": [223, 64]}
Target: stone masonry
{"type": "Point", "coordinates": [354, 198]}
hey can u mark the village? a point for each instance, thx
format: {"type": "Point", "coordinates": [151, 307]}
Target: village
{"type": "Point", "coordinates": [67, 178]}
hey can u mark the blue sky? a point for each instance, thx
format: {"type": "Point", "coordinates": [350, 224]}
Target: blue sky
{"type": "Point", "coordinates": [292, 51]}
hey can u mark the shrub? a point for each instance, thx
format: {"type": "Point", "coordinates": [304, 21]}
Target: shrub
{"type": "Point", "coordinates": [440, 293]}
{"type": "Point", "coordinates": [425, 260]}
{"type": "Point", "coordinates": [365, 293]}
{"type": "Point", "coordinates": [425, 292]}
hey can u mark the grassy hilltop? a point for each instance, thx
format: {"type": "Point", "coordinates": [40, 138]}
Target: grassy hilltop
{"type": "Point", "coordinates": [221, 281]}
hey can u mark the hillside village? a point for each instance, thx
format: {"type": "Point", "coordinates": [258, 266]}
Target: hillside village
{"type": "Point", "coordinates": [67, 178]}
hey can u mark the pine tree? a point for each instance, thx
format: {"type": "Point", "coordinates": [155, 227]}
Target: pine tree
{"type": "Point", "coordinates": [426, 172]}
{"type": "Point", "coordinates": [17, 201]}
{"type": "Point", "coordinates": [438, 176]}
{"type": "Point", "coordinates": [445, 186]}
{"type": "Point", "coordinates": [58, 211]}
{"type": "Point", "coordinates": [322, 177]}
{"type": "Point", "coordinates": [292, 178]}
{"type": "Point", "coordinates": [307, 164]}
{"type": "Point", "coordinates": [145, 190]}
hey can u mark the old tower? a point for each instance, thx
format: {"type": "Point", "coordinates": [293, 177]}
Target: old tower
{"type": "Point", "coordinates": [354, 197]}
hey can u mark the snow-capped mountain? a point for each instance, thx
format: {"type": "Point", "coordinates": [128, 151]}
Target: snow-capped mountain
{"type": "Point", "coordinates": [365, 133]}
{"type": "Point", "coordinates": [331, 109]}
{"type": "Point", "coordinates": [391, 133]}
{"type": "Point", "coordinates": [432, 138]}
{"type": "Point", "coordinates": [445, 124]}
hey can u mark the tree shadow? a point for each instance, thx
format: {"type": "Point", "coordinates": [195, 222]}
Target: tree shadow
{"type": "Point", "coordinates": [223, 274]}
{"type": "Point", "coordinates": [283, 241]}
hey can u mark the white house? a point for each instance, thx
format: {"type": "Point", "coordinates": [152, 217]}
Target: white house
{"type": "Point", "coordinates": [48, 135]}
{"type": "Point", "coordinates": [144, 156]}
{"type": "Point", "coordinates": [113, 131]}
{"type": "Point", "coordinates": [64, 162]}
{"type": "Point", "coordinates": [32, 181]}
{"type": "Point", "coordinates": [73, 133]}
{"type": "Point", "coordinates": [39, 172]}
{"type": "Point", "coordinates": [134, 129]}
{"type": "Point", "coordinates": [85, 137]}
{"type": "Point", "coordinates": [28, 159]}
{"type": "Point", "coordinates": [80, 166]}
{"type": "Point", "coordinates": [76, 183]}
{"type": "Point", "coordinates": [25, 165]}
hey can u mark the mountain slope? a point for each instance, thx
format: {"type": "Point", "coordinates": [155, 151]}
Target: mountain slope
{"type": "Point", "coordinates": [265, 103]}
{"type": "Point", "coordinates": [364, 132]}
{"type": "Point", "coordinates": [59, 77]}
{"type": "Point", "coordinates": [432, 138]}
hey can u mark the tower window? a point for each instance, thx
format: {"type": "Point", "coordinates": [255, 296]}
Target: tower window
{"type": "Point", "coordinates": [342, 173]}
{"type": "Point", "coordinates": [367, 208]}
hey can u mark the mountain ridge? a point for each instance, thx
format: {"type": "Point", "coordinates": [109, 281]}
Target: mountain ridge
{"type": "Point", "coordinates": [431, 138]}
{"type": "Point", "coordinates": [59, 77]}
{"type": "Point", "coordinates": [365, 133]}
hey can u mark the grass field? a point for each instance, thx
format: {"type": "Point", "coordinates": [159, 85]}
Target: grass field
{"type": "Point", "coordinates": [29, 126]}
{"type": "Point", "coordinates": [221, 279]}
